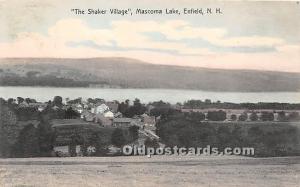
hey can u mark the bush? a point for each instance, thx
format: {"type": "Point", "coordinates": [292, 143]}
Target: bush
{"type": "Point", "coordinates": [196, 116]}
{"type": "Point", "coordinates": [282, 116]}
{"type": "Point", "coordinates": [243, 117]}
{"type": "Point", "coordinates": [233, 117]}
{"type": "Point", "coordinates": [294, 116]}
{"type": "Point", "coordinates": [267, 116]}
{"type": "Point", "coordinates": [253, 116]}
{"type": "Point", "coordinates": [216, 115]}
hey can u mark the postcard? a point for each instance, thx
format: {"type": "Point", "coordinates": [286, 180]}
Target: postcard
{"type": "Point", "coordinates": [149, 93]}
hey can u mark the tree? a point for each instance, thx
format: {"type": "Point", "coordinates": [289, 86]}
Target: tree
{"type": "Point", "coordinates": [233, 117]}
{"type": "Point", "coordinates": [28, 100]}
{"type": "Point", "coordinates": [136, 109]}
{"type": "Point", "coordinates": [75, 101]}
{"type": "Point", "coordinates": [161, 109]}
{"type": "Point", "coordinates": [90, 100]}
{"type": "Point", "coordinates": [282, 116]}
{"type": "Point", "coordinates": [26, 113]}
{"type": "Point", "coordinates": [118, 138]}
{"type": "Point", "coordinates": [28, 142]}
{"type": "Point", "coordinates": [46, 137]}
{"type": "Point", "coordinates": [216, 115]}
{"type": "Point", "coordinates": [294, 116]}
{"type": "Point", "coordinates": [207, 101]}
{"type": "Point", "coordinates": [8, 130]}
{"type": "Point", "coordinates": [96, 141]}
{"type": "Point", "coordinates": [20, 100]}
{"type": "Point", "coordinates": [253, 116]}
{"type": "Point", "coordinates": [11, 101]}
{"type": "Point", "coordinates": [57, 101]}
{"type": "Point", "coordinates": [267, 116]}
{"type": "Point", "coordinates": [71, 114]}
{"type": "Point", "coordinates": [243, 117]}
{"type": "Point", "coordinates": [134, 132]}
{"type": "Point", "coordinates": [2, 102]}
{"type": "Point", "coordinates": [194, 103]}
{"type": "Point", "coordinates": [123, 107]}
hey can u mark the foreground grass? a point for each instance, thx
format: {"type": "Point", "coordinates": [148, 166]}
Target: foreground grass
{"type": "Point", "coordinates": [155, 171]}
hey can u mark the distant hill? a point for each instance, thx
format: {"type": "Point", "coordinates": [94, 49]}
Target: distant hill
{"type": "Point", "coordinates": [131, 73]}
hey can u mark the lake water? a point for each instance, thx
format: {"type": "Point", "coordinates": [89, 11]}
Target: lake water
{"type": "Point", "coordinates": [147, 95]}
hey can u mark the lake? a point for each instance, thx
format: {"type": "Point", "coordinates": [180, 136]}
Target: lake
{"type": "Point", "coordinates": [147, 95]}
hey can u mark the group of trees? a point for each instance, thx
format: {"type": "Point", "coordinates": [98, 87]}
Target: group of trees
{"type": "Point", "coordinates": [216, 115]}
{"type": "Point", "coordinates": [264, 116]}
{"type": "Point", "coordinates": [162, 109]}
{"type": "Point", "coordinates": [123, 136]}
{"type": "Point", "coordinates": [18, 139]}
{"type": "Point", "coordinates": [23, 141]}
{"type": "Point", "coordinates": [36, 79]}
{"type": "Point", "coordinates": [276, 140]}
{"type": "Point", "coordinates": [131, 110]}
{"type": "Point", "coordinates": [198, 104]}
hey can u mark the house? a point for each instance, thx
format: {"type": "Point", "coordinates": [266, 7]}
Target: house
{"type": "Point", "coordinates": [40, 108]}
{"type": "Point", "coordinates": [100, 109]}
{"type": "Point", "coordinates": [102, 120]}
{"type": "Point", "coordinates": [87, 116]}
{"type": "Point", "coordinates": [125, 122]}
{"type": "Point", "coordinates": [108, 114]}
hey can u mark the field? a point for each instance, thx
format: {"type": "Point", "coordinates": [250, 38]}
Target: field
{"type": "Point", "coordinates": [154, 171]}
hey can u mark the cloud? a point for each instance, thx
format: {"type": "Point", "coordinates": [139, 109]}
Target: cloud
{"type": "Point", "coordinates": [125, 38]}
{"type": "Point", "coordinates": [123, 34]}
{"type": "Point", "coordinates": [131, 35]}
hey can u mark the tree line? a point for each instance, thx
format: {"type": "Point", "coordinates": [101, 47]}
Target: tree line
{"type": "Point", "coordinates": [34, 78]}
{"type": "Point", "coordinates": [207, 103]}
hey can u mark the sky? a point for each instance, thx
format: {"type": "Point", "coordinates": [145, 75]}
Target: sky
{"type": "Point", "coordinates": [247, 35]}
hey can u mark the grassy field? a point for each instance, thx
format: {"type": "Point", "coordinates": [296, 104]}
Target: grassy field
{"type": "Point", "coordinates": [155, 171]}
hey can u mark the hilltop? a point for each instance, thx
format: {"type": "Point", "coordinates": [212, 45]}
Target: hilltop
{"type": "Point", "coordinates": [132, 73]}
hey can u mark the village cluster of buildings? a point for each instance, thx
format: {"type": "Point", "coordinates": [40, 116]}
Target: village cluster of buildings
{"type": "Point", "coordinates": [107, 114]}
{"type": "Point", "coordinates": [104, 113]}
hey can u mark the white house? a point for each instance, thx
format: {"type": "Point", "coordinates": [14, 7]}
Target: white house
{"type": "Point", "coordinates": [108, 114]}
{"type": "Point", "coordinates": [100, 109]}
